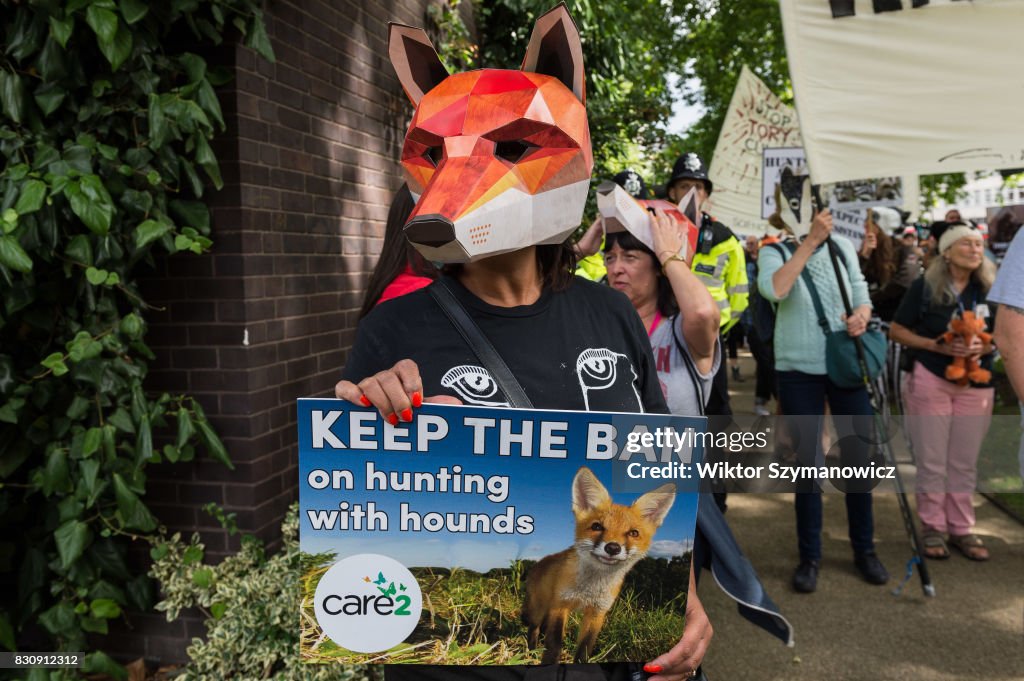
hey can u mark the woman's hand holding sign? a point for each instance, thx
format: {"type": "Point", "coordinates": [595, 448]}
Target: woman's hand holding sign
{"type": "Point", "coordinates": [395, 392]}
{"type": "Point", "coordinates": [682, 661]}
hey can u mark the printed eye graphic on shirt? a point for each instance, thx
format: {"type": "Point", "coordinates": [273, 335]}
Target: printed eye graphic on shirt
{"type": "Point", "coordinates": [603, 376]}
{"type": "Point", "coordinates": [475, 385]}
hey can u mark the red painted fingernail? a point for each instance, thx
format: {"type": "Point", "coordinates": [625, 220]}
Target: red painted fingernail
{"type": "Point", "coordinates": [407, 414]}
{"type": "Point", "coordinates": [365, 402]}
{"type": "Point", "coordinates": [653, 668]}
{"type": "Point", "coordinates": [417, 399]}
{"type": "Point", "coordinates": [393, 419]}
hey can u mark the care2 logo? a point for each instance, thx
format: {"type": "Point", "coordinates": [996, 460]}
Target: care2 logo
{"type": "Point", "coordinates": [368, 603]}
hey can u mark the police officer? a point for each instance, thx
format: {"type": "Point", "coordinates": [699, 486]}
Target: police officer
{"type": "Point", "coordinates": [719, 263]}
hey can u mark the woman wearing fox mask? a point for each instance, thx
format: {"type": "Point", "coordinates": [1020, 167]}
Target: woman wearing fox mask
{"type": "Point", "coordinates": [500, 161]}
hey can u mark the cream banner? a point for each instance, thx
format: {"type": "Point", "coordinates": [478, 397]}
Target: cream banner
{"type": "Point", "coordinates": [930, 89]}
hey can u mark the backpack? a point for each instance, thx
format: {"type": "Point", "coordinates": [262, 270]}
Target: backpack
{"type": "Point", "coordinates": [762, 310]}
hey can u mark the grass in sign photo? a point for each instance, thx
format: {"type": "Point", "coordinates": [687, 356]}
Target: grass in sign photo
{"type": "Point", "coordinates": [473, 618]}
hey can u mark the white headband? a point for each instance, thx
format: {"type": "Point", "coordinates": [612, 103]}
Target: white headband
{"type": "Point", "coordinates": [954, 234]}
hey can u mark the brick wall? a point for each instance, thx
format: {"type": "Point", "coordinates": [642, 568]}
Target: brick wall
{"type": "Point", "coordinates": [310, 164]}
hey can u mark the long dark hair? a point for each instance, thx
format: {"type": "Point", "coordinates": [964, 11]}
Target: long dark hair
{"type": "Point", "coordinates": [667, 304]}
{"type": "Point", "coordinates": [395, 253]}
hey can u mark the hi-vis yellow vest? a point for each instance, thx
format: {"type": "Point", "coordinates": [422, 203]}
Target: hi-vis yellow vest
{"type": "Point", "coordinates": [723, 270]}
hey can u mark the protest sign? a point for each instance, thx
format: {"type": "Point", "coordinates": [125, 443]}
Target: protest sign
{"type": "Point", "coordinates": [923, 89]}
{"type": "Point", "coordinates": [756, 119]}
{"type": "Point", "coordinates": [849, 223]}
{"type": "Point", "coordinates": [772, 163]}
{"type": "Point", "coordinates": [467, 535]}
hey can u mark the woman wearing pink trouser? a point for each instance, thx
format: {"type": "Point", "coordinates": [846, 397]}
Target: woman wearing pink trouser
{"type": "Point", "coordinates": [947, 420]}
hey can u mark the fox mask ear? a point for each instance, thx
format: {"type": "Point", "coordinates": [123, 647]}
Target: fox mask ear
{"type": "Point", "coordinates": [415, 60]}
{"type": "Point", "coordinates": [555, 50]}
{"type": "Point", "coordinates": [588, 493]}
{"type": "Point", "coordinates": [655, 504]}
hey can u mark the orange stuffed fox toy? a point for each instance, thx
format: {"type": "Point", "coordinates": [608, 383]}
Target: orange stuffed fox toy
{"type": "Point", "coordinates": [964, 369]}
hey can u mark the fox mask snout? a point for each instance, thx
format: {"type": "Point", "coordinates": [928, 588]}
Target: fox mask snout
{"type": "Point", "coordinates": [498, 159]}
{"type": "Point", "coordinates": [610, 539]}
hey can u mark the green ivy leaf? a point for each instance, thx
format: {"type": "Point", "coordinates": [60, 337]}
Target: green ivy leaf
{"type": "Point", "coordinates": [257, 38]}
{"type": "Point", "coordinates": [12, 95]}
{"type": "Point", "coordinates": [133, 10]}
{"type": "Point", "coordinates": [61, 29]}
{"type": "Point", "coordinates": [49, 97]}
{"type": "Point", "coordinates": [59, 620]}
{"type": "Point", "coordinates": [158, 127]}
{"type": "Point", "coordinates": [99, 662]}
{"type": "Point", "coordinates": [185, 429]}
{"type": "Point", "coordinates": [55, 473]}
{"type": "Point", "coordinates": [214, 446]}
{"type": "Point", "coordinates": [80, 250]}
{"type": "Point", "coordinates": [131, 326]}
{"type": "Point", "coordinates": [194, 65]}
{"type": "Point", "coordinates": [93, 625]}
{"type": "Point", "coordinates": [144, 442]}
{"type": "Point", "coordinates": [149, 231]}
{"type": "Point", "coordinates": [72, 537]}
{"type": "Point", "coordinates": [119, 49]}
{"type": "Point", "coordinates": [91, 442]}
{"type": "Point", "coordinates": [120, 420]}
{"type": "Point", "coordinates": [206, 159]}
{"type": "Point", "coordinates": [55, 362]}
{"type": "Point", "coordinates": [95, 276]}
{"type": "Point", "coordinates": [91, 202]}
{"type": "Point", "coordinates": [13, 256]}
{"type": "Point", "coordinates": [104, 608]}
{"type": "Point", "coordinates": [218, 609]}
{"type": "Point", "coordinates": [133, 512]}
{"type": "Point", "coordinates": [103, 22]}
{"type": "Point", "coordinates": [31, 197]}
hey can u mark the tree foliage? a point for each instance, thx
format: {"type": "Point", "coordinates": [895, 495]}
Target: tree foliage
{"type": "Point", "coordinates": [720, 37]}
{"type": "Point", "coordinates": [629, 49]}
{"type": "Point", "coordinates": [106, 157]}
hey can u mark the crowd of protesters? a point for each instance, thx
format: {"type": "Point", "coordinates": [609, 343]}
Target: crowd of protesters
{"type": "Point", "coordinates": [780, 296]}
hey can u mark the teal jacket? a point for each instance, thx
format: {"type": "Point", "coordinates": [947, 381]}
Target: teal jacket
{"type": "Point", "coordinates": [798, 340]}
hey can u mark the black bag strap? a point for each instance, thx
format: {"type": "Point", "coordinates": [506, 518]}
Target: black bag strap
{"type": "Point", "coordinates": [691, 368]}
{"type": "Point", "coordinates": [479, 344]}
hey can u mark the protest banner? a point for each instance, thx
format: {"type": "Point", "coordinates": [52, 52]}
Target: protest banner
{"type": "Point", "coordinates": [468, 535]}
{"type": "Point", "coordinates": [772, 163]}
{"type": "Point", "coordinates": [849, 223]}
{"type": "Point", "coordinates": [908, 91]}
{"type": "Point", "coordinates": [757, 119]}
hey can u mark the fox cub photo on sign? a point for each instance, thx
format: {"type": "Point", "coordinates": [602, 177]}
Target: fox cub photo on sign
{"type": "Point", "coordinates": [476, 535]}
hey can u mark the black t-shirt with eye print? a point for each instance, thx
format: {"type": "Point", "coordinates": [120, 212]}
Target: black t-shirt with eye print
{"type": "Point", "coordinates": [583, 348]}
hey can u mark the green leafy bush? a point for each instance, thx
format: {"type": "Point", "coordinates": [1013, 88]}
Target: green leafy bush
{"type": "Point", "coordinates": [104, 138]}
{"type": "Point", "coordinates": [252, 607]}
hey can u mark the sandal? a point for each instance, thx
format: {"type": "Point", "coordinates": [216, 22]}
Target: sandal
{"type": "Point", "coordinates": [935, 545]}
{"type": "Point", "coordinates": [970, 545]}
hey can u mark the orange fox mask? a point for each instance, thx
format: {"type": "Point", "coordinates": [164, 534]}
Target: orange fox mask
{"type": "Point", "coordinates": [499, 159]}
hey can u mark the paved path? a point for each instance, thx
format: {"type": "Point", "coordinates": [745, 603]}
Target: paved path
{"type": "Point", "coordinates": [848, 629]}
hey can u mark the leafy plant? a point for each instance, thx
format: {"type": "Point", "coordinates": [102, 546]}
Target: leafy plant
{"type": "Point", "coordinates": [106, 157]}
{"type": "Point", "coordinates": [252, 607]}
{"type": "Point", "coordinates": [629, 49]}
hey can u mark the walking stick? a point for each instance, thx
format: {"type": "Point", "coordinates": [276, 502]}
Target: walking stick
{"type": "Point", "coordinates": [883, 436]}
